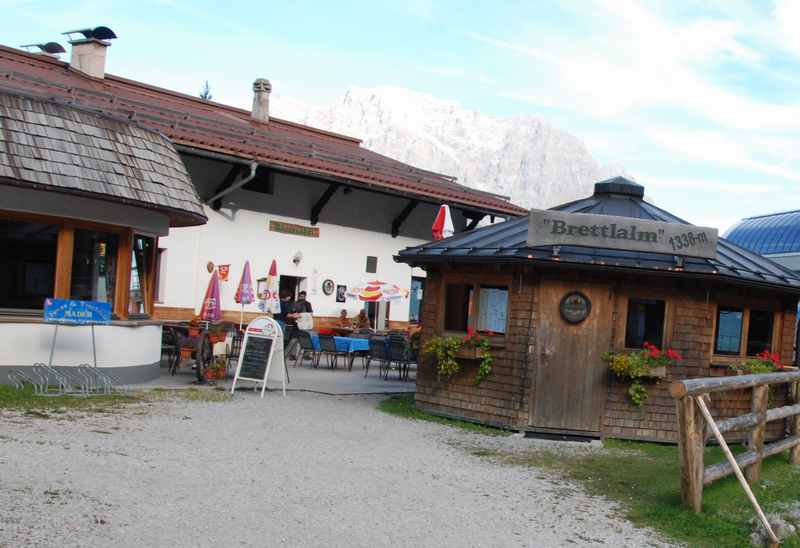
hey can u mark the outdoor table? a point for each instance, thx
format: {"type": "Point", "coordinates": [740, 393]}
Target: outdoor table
{"type": "Point", "coordinates": [350, 345]}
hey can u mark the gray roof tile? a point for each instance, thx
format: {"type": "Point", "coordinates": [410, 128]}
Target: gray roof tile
{"type": "Point", "coordinates": [74, 149]}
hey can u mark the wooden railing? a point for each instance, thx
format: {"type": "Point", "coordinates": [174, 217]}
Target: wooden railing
{"type": "Point", "coordinates": [696, 425]}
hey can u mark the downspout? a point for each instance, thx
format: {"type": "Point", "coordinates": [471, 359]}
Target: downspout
{"type": "Point", "coordinates": [235, 186]}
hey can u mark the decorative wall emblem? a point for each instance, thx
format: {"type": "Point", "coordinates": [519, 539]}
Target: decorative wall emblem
{"type": "Point", "coordinates": [327, 287]}
{"type": "Point", "coordinates": [575, 307]}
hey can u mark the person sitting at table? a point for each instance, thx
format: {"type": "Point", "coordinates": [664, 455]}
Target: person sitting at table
{"type": "Point", "coordinates": [362, 320]}
{"type": "Point", "coordinates": [343, 320]}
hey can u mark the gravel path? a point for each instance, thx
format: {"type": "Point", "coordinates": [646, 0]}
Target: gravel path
{"type": "Point", "coordinates": [308, 470]}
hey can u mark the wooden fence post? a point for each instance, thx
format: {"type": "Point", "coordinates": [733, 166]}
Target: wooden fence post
{"type": "Point", "coordinates": [755, 440]}
{"type": "Point", "coordinates": [794, 429]}
{"type": "Point", "coordinates": [691, 444]}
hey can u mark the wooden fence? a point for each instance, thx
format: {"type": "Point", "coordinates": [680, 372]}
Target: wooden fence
{"type": "Point", "coordinates": [695, 426]}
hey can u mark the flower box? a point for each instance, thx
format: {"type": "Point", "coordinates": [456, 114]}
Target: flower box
{"type": "Point", "coordinates": [186, 353]}
{"type": "Point", "coordinates": [214, 374]}
{"type": "Point", "coordinates": [657, 372]}
{"type": "Point", "coordinates": [470, 353]}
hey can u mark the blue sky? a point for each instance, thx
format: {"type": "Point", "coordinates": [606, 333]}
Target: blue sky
{"type": "Point", "coordinates": [700, 102]}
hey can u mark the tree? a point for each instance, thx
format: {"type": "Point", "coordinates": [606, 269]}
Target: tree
{"type": "Point", "coordinates": [205, 92]}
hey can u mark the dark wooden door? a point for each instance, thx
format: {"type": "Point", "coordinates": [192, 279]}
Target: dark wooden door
{"type": "Point", "coordinates": [571, 380]}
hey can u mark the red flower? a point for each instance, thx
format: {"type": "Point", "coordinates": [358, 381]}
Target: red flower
{"type": "Point", "coordinates": [674, 355]}
{"type": "Point", "coordinates": [775, 357]}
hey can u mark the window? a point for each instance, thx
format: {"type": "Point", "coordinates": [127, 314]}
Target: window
{"type": "Point", "coordinates": [415, 299]}
{"type": "Point", "coordinates": [28, 259]}
{"type": "Point", "coordinates": [729, 330]}
{"type": "Point", "coordinates": [492, 308]}
{"type": "Point", "coordinates": [759, 332]}
{"type": "Point", "coordinates": [458, 303]}
{"type": "Point", "coordinates": [94, 263]}
{"type": "Point", "coordinates": [372, 265]}
{"type": "Point", "coordinates": [138, 289]}
{"type": "Point", "coordinates": [645, 323]}
{"type": "Point", "coordinates": [483, 308]}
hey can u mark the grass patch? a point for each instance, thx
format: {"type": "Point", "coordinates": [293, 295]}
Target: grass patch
{"type": "Point", "coordinates": [645, 479]}
{"type": "Point", "coordinates": [44, 406]}
{"type": "Point", "coordinates": [403, 406]}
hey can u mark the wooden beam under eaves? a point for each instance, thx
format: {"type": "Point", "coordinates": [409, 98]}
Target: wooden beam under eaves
{"type": "Point", "coordinates": [473, 222]}
{"type": "Point", "coordinates": [402, 216]}
{"type": "Point", "coordinates": [323, 200]}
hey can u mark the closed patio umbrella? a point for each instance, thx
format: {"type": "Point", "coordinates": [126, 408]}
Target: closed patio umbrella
{"type": "Point", "coordinates": [244, 293]}
{"type": "Point", "coordinates": [443, 224]}
{"type": "Point", "coordinates": [210, 311]}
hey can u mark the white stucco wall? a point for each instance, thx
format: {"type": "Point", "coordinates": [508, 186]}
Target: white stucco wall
{"type": "Point", "coordinates": [117, 346]}
{"type": "Point", "coordinates": [338, 254]}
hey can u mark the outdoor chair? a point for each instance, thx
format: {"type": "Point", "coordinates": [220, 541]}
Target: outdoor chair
{"type": "Point", "coordinates": [398, 355]}
{"type": "Point", "coordinates": [170, 348]}
{"type": "Point", "coordinates": [327, 345]}
{"type": "Point", "coordinates": [233, 352]}
{"type": "Point", "coordinates": [377, 351]}
{"type": "Point", "coordinates": [306, 349]}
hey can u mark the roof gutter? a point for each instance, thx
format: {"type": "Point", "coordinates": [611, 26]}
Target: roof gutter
{"type": "Point", "coordinates": [235, 186]}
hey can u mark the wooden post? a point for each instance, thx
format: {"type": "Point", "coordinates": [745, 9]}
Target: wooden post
{"type": "Point", "coordinates": [64, 250]}
{"type": "Point", "coordinates": [756, 437]}
{"type": "Point", "coordinates": [123, 275]}
{"type": "Point", "coordinates": [691, 444]}
{"type": "Point", "coordinates": [773, 539]}
{"type": "Point", "coordinates": [794, 427]}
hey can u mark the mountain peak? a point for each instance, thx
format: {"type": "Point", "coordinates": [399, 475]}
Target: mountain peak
{"type": "Point", "coordinates": [522, 157]}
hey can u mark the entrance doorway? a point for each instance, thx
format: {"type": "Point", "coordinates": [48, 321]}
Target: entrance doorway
{"type": "Point", "coordinates": [571, 380]}
{"type": "Point", "coordinates": [291, 285]}
{"type": "Point", "coordinates": [378, 314]}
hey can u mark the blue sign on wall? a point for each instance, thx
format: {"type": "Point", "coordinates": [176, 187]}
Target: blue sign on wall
{"type": "Point", "coordinates": [76, 312]}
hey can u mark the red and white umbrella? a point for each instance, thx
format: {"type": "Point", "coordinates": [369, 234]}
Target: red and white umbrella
{"type": "Point", "coordinates": [244, 293]}
{"type": "Point", "coordinates": [377, 291]}
{"type": "Point", "coordinates": [210, 311]}
{"type": "Point", "coordinates": [443, 224]}
{"type": "Point", "coordinates": [269, 300]}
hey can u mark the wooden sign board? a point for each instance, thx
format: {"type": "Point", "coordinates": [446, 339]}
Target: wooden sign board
{"type": "Point", "coordinates": [624, 233]}
{"type": "Point", "coordinates": [293, 229]}
{"type": "Point", "coordinates": [262, 352]}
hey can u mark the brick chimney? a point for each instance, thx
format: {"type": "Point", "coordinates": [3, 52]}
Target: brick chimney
{"type": "Point", "coordinates": [261, 90]}
{"type": "Point", "coordinates": [89, 56]}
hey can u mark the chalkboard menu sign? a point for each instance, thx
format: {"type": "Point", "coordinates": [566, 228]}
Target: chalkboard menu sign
{"type": "Point", "coordinates": [255, 356]}
{"type": "Point", "coordinates": [262, 348]}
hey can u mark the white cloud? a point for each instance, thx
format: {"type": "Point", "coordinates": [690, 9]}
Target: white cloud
{"type": "Point", "coordinates": [787, 20]}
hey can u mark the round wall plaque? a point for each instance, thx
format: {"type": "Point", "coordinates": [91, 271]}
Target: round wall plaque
{"type": "Point", "coordinates": [327, 287]}
{"type": "Point", "coordinates": [575, 307]}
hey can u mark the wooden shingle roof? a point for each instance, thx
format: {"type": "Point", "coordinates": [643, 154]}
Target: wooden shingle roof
{"type": "Point", "coordinates": [63, 148]}
{"type": "Point", "coordinates": [205, 125]}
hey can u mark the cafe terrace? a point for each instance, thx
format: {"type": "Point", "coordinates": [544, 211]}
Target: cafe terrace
{"type": "Point", "coordinates": [552, 301]}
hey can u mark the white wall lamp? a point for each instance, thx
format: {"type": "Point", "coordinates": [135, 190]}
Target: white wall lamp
{"type": "Point", "coordinates": [297, 258]}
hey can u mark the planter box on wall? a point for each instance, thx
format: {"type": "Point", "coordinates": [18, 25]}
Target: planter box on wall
{"type": "Point", "coordinates": [470, 353]}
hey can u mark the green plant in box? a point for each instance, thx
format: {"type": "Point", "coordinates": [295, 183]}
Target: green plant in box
{"type": "Point", "coordinates": [635, 366]}
{"type": "Point", "coordinates": [445, 351]}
